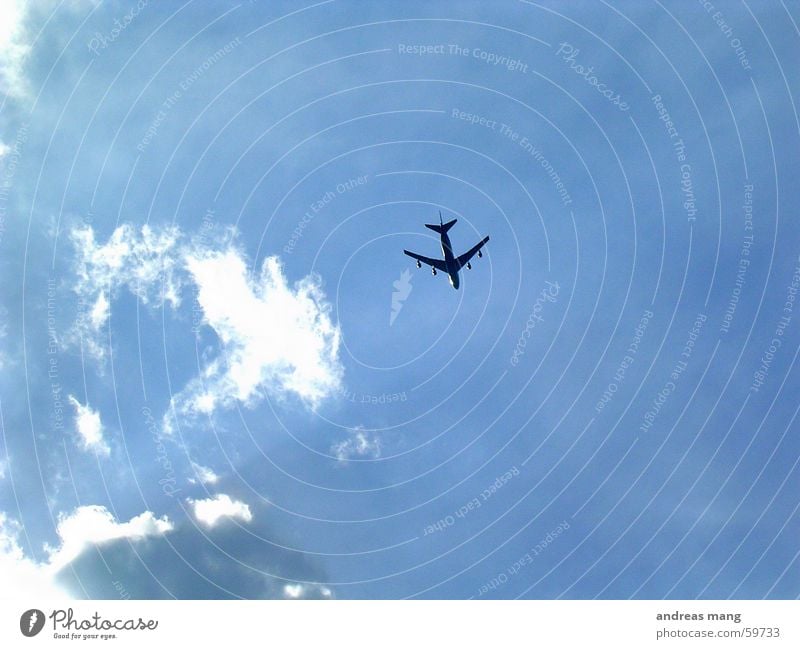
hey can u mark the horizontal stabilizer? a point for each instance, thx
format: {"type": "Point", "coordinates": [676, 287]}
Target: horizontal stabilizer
{"type": "Point", "coordinates": [441, 229]}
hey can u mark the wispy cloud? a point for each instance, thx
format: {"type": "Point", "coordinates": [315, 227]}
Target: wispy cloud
{"type": "Point", "coordinates": [3, 333]}
{"type": "Point", "coordinates": [142, 260]}
{"type": "Point", "coordinates": [360, 443]}
{"type": "Point", "coordinates": [203, 475]}
{"type": "Point", "coordinates": [211, 511]}
{"type": "Point", "coordinates": [89, 427]}
{"type": "Point", "coordinates": [306, 591]}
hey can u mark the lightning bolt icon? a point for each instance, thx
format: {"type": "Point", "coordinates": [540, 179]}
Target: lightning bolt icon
{"type": "Point", "coordinates": [32, 621]}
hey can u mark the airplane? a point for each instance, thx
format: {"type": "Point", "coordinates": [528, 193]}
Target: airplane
{"type": "Point", "coordinates": [450, 264]}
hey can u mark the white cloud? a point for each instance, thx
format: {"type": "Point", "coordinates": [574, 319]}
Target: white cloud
{"type": "Point", "coordinates": [361, 444]}
{"type": "Point", "coordinates": [144, 261]}
{"type": "Point", "coordinates": [15, 37]}
{"type": "Point", "coordinates": [210, 511]}
{"type": "Point", "coordinates": [25, 578]}
{"type": "Point", "coordinates": [203, 474]}
{"type": "Point", "coordinates": [273, 337]}
{"type": "Point", "coordinates": [94, 524]}
{"type": "Point", "coordinates": [13, 47]}
{"type": "Point", "coordinates": [4, 148]}
{"type": "Point", "coordinates": [89, 427]}
{"type": "Point", "coordinates": [307, 591]}
{"type": "Point", "coordinates": [3, 469]}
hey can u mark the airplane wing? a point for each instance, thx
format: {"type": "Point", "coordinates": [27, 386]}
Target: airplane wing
{"type": "Point", "coordinates": [463, 259]}
{"type": "Point", "coordinates": [436, 263]}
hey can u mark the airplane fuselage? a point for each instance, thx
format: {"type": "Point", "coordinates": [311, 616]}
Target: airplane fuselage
{"type": "Point", "coordinates": [450, 264]}
{"type": "Point", "coordinates": [450, 261]}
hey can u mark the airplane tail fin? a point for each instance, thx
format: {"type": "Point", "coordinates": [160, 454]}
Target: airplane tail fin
{"type": "Point", "coordinates": [441, 229]}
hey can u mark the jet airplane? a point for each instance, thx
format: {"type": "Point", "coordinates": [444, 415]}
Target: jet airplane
{"type": "Point", "coordinates": [450, 264]}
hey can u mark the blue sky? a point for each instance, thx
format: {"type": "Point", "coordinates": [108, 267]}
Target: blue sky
{"type": "Point", "coordinates": [220, 376]}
